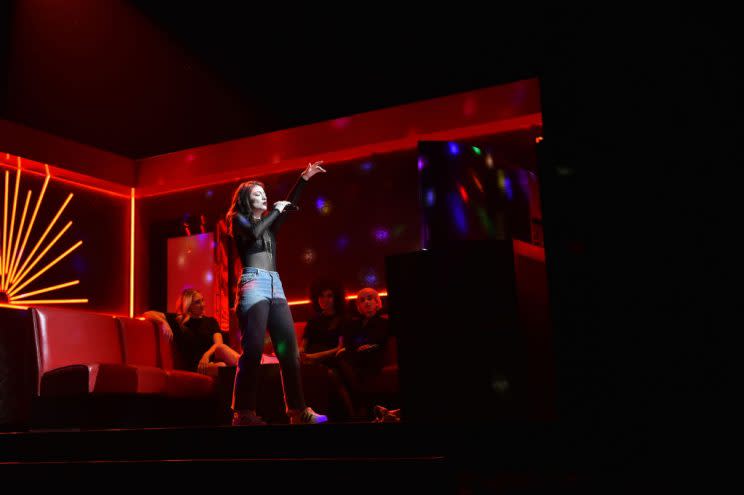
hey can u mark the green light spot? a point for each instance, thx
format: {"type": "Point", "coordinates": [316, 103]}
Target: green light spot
{"type": "Point", "coordinates": [486, 222]}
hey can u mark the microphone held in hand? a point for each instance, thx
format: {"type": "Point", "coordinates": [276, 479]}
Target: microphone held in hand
{"type": "Point", "coordinates": [291, 207]}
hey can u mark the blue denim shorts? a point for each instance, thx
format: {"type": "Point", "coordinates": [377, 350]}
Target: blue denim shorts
{"type": "Point", "coordinates": [257, 285]}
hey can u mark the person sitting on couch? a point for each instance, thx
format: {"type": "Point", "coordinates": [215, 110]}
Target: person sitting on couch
{"type": "Point", "coordinates": [364, 341]}
{"type": "Point", "coordinates": [197, 338]}
{"type": "Point", "coordinates": [322, 337]}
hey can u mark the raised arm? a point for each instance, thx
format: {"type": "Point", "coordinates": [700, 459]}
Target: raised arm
{"type": "Point", "coordinates": [294, 194]}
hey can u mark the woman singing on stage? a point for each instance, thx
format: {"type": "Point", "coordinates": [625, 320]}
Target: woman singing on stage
{"type": "Point", "coordinates": [261, 302]}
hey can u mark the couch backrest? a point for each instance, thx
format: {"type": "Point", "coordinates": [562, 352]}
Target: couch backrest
{"type": "Point", "coordinates": [140, 339]}
{"type": "Point", "coordinates": [65, 337]}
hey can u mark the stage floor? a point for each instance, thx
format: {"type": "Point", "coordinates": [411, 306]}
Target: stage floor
{"type": "Point", "coordinates": [330, 458]}
{"type": "Point", "coordinates": [348, 440]}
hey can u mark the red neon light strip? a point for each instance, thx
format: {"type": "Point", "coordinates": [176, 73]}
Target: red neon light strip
{"type": "Point", "coordinates": [5, 230]}
{"type": "Point", "coordinates": [308, 301]}
{"type": "Point", "coordinates": [358, 152]}
{"type": "Point", "coordinates": [16, 254]}
{"type": "Point", "coordinates": [72, 182]}
{"type": "Point", "coordinates": [131, 257]}
{"type": "Point", "coordinates": [57, 301]}
{"type": "Point", "coordinates": [12, 306]}
{"type": "Point", "coordinates": [31, 223]}
{"type": "Point", "coordinates": [47, 289]}
{"type": "Point", "coordinates": [8, 259]}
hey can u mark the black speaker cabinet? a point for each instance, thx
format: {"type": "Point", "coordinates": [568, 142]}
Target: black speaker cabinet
{"type": "Point", "coordinates": [464, 338]}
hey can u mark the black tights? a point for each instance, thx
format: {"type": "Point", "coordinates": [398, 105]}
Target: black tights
{"type": "Point", "coordinates": [253, 323]}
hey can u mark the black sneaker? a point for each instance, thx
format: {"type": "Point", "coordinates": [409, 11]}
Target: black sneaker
{"type": "Point", "coordinates": [247, 418]}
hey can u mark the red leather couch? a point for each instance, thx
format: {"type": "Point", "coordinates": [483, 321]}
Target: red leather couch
{"type": "Point", "coordinates": [69, 367]}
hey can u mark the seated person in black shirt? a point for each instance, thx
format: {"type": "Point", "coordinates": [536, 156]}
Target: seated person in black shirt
{"type": "Point", "coordinates": [322, 337]}
{"type": "Point", "coordinates": [364, 339]}
{"type": "Point", "coordinates": [198, 338]}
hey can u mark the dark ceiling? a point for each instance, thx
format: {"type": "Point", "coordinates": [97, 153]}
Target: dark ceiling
{"type": "Point", "coordinates": [141, 78]}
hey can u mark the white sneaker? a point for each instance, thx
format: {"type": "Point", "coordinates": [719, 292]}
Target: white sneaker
{"type": "Point", "coordinates": [306, 417]}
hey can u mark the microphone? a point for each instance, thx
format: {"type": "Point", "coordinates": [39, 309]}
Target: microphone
{"type": "Point", "coordinates": [291, 207]}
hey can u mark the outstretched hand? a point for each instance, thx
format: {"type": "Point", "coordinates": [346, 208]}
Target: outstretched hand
{"type": "Point", "coordinates": [312, 169]}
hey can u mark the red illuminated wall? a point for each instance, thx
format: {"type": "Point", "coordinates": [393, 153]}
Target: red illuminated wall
{"type": "Point", "coordinates": [476, 113]}
{"type": "Point", "coordinates": [349, 220]}
{"type": "Point", "coordinates": [188, 183]}
{"type": "Point", "coordinates": [73, 160]}
{"type": "Point", "coordinates": [201, 179]}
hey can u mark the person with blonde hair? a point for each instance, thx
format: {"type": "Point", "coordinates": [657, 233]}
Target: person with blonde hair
{"type": "Point", "coordinates": [364, 341]}
{"type": "Point", "coordinates": [197, 338]}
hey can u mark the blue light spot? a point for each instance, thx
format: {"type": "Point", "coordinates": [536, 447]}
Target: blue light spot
{"type": "Point", "coordinates": [342, 242]}
{"type": "Point", "coordinates": [79, 263]}
{"type": "Point", "coordinates": [430, 197]}
{"type": "Point", "coordinates": [508, 188]}
{"type": "Point", "coordinates": [381, 235]}
{"type": "Point", "coordinates": [524, 181]}
{"type": "Point", "coordinates": [370, 278]}
{"type": "Point", "coordinates": [454, 148]}
{"type": "Point", "coordinates": [458, 213]}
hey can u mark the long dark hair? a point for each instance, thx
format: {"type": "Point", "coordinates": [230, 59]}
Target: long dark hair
{"type": "Point", "coordinates": [339, 300]}
{"type": "Point", "coordinates": [241, 203]}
